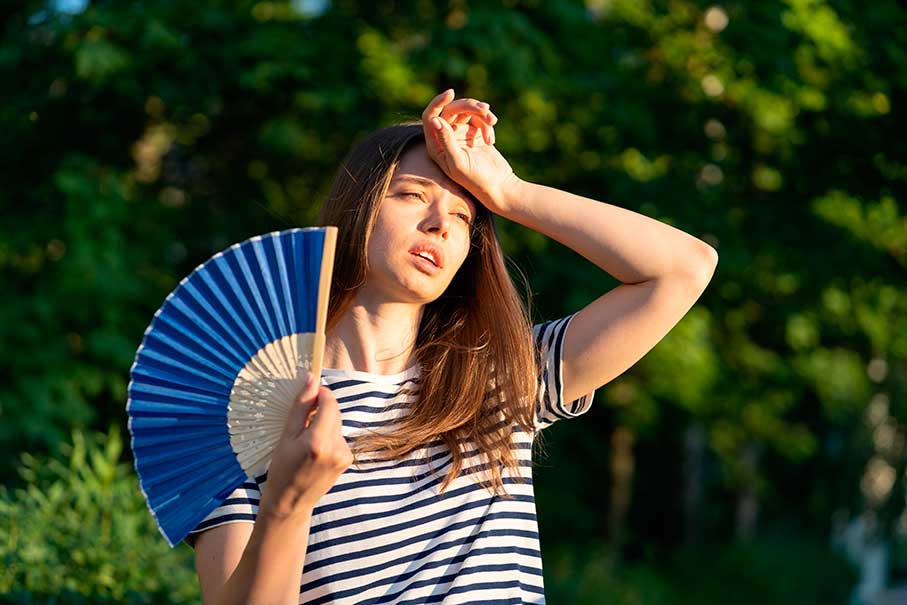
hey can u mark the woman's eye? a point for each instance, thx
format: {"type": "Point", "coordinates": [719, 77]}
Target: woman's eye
{"type": "Point", "coordinates": [411, 194]}
{"type": "Point", "coordinates": [465, 217]}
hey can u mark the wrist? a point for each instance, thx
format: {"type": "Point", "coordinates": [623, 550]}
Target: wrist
{"type": "Point", "coordinates": [287, 509]}
{"type": "Point", "coordinates": [508, 198]}
{"type": "Point", "coordinates": [282, 531]}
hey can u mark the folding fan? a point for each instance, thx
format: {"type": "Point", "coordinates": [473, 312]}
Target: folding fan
{"type": "Point", "coordinates": [219, 366]}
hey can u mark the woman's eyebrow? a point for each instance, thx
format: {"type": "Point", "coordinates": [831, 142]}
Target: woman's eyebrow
{"type": "Point", "coordinates": [418, 180]}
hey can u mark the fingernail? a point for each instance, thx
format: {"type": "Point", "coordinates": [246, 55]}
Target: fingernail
{"type": "Point", "coordinates": [309, 378]}
{"type": "Point", "coordinates": [436, 123]}
{"type": "Point", "coordinates": [484, 105]}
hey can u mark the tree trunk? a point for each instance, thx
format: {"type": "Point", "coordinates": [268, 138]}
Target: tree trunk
{"type": "Point", "coordinates": [748, 500]}
{"type": "Point", "coordinates": [693, 480]}
{"type": "Point", "coordinates": [623, 465]}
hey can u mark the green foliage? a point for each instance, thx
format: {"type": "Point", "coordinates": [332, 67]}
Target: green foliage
{"type": "Point", "coordinates": [780, 572]}
{"type": "Point", "coordinates": [148, 136]}
{"type": "Point", "coordinates": [80, 532]}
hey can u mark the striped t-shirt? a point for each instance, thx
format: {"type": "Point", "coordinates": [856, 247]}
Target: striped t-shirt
{"type": "Point", "coordinates": [382, 534]}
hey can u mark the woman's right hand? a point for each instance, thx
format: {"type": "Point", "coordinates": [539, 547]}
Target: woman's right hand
{"type": "Point", "coordinates": [309, 457]}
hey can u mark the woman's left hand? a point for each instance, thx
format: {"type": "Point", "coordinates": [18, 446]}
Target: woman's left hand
{"type": "Point", "coordinates": [460, 139]}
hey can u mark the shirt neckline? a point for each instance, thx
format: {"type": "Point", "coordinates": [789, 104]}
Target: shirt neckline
{"type": "Point", "coordinates": [410, 372]}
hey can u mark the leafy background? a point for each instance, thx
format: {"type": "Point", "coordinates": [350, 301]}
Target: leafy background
{"type": "Point", "coordinates": [739, 457]}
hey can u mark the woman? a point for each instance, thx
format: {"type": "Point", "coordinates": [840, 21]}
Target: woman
{"type": "Point", "coordinates": [437, 381]}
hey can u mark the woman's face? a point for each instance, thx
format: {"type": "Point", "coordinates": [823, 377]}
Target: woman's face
{"type": "Point", "coordinates": [421, 234]}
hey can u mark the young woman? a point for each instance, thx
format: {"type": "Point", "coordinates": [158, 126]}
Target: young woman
{"type": "Point", "coordinates": [406, 476]}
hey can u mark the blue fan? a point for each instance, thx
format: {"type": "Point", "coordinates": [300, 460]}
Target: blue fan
{"type": "Point", "coordinates": [219, 366]}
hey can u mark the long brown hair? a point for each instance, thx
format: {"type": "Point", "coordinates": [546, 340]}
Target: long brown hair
{"type": "Point", "coordinates": [478, 365]}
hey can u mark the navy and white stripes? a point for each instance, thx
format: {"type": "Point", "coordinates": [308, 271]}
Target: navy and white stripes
{"type": "Point", "coordinates": [550, 406]}
{"type": "Point", "coordinates": [384, 533]}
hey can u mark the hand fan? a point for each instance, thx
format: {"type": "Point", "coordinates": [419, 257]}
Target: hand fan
{"type": "Point", "coordinates": [219, 366]}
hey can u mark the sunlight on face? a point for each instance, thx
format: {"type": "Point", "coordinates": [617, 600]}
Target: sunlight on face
{"type": "Point", "coordinates": [423, 210]}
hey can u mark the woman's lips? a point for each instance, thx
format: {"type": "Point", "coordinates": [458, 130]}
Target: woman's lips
{"type": "Point", "coordinates": [424, 264]}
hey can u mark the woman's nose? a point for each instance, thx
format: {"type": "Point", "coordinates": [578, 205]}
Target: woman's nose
{"type": "Point", "coordinates": [437, 222]}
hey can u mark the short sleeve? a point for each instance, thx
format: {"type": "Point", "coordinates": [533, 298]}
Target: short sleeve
{"type": "Point", "coordinates": [550, 406]}
{"type": "Point", "coordinates": [240, 506]}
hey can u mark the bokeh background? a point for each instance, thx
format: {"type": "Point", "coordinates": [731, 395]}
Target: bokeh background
{"type": "Point", "coordinates": [755, 455]}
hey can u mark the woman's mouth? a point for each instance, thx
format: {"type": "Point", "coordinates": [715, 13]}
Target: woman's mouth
{"type": "Point", "coordinates": [425, 264]}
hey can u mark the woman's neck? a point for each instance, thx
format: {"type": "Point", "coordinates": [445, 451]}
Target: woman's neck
{"type": "Point", "coordinates": [377, 338]}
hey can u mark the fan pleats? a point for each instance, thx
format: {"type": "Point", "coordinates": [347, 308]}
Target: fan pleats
{"type": "Point", "coordinates": [218, 369]}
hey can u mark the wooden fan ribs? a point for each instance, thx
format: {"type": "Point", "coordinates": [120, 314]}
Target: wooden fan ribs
{"type": "Point", "coordinates": [219, 366]}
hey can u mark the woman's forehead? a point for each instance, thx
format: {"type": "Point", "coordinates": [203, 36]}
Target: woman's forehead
{"type": "Point", "coordinates": [418, 168]}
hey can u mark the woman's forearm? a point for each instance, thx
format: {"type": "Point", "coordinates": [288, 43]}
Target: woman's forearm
{"type": "Point", "coordinates": [630, 246]}
{"type": "Point", "coordinates": [270, 569]}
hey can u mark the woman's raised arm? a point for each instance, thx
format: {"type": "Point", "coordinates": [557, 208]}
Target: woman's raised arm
{"type": "Point", "coordinates": [663, 269]}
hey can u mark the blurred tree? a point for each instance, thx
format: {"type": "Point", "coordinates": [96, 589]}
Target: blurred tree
{"type": "Point", "coordinates": [143, 137]}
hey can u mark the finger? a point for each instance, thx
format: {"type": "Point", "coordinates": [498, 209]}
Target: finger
{"type": "Point", "coordinates": [432, 143]}
{"type": "Point", "coordinates": [327, 417]}
{"type": "Point", "coordinates": [459, 122]}
{"type": "Point", "coordinates": [486, 131]}
{"type": "Point", "coordinates": [471, 132]}
{"type": "Point", "coordinates": [488, 134]}
{"type": "Point", "coordinates": [302, 405]}
{"type": "Point", "coordinates": [468, 106]}
{"type": "Point", "coordinates": [443, 136]}
{"type": "Point", "coordinates": [448, 152]}
{"type": "Point", "coordinates": [478, 125]}
{"type": "Point", "coordinates": [460, 118]}
{"type": "Point", "coordinates": [437, 104]}
{"type": "Point", "coordinates": [481, 122]}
